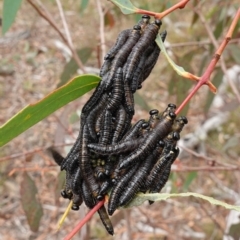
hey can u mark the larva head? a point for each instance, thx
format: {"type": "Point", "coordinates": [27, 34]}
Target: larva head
{"type": "Point", "coordinates": [158, 22]}
{"type": "Point", "coordinates": [153, 112]}
{"type": "Point", "coordinates": [179, 123]}
{"type": "Point", "coordinates": [136, 28]}
{"type": "Point", "coordinates": [75, 207]}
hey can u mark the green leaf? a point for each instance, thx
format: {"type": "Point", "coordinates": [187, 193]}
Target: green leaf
{"type": "Point", "coordinates": [141, 198]}
{"type": "Point", "coordinates": [126, 6]}
{"type": "Point", "coordinates": [71, 67]}
{"type": "Point", "coordinates": [10, 9]}
{"type": "Point", "coordinates": [83, 5]}
{"type": "Point", "coordinates": [179, 70]}
{"type": "Point", "coordinates": [31, 206]}
{"type": "Point", "coordinates": [34, 113]}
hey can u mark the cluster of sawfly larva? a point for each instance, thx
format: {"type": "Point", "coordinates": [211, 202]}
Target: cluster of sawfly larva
{"type": "Point", "coordinates": [110, 156]}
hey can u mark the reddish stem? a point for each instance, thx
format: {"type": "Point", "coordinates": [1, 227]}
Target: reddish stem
{"type": "Point", "coordinates": [84, 220]}
{"type": "Point", "coordinates": [206, 76]}
{"type": "Point", "coordinates": [180, 5]}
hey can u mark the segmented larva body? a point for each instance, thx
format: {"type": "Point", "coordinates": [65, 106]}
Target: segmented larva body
{"type": "Point", "coordinates": [106, 130]}
{"type": "Point", "coordinates": [117, 148]}
{"type": "Point", "coordinates": [117, 92]}
{"type": "Point", "coordinates": [85, 164]}
{"type": "Point", "coordinates": [121, 56]}
{"type": "Point", "coordinates": [121, 40]}
{"type": "Point", "coordinates": [118, 189]}
{"type": "Point", "coordinates": [120, 125]}
{"type": "Point", "coordinates": [161, 130]}
{"type": "Point", "coordinates": [93, 116]}
{"type": "Point", "coordinates": [105, 220]}
{"type": "Point", "coordinates": [140, 47]}
{"type": "Point", "coordinates": [136, 180]}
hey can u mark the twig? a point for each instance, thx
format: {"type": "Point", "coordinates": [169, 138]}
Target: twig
{"type": "Point", "coordinates": [31, 169]}
{"type": "Point", "coordinates": [208, 159]}
{"type": "Point", "coordinates": [206, 76]}
{"type": "Point", "coordinates": [101, 29]}
{"type": "Point", "coordinates": [68, 35]}
{"type": "Point", "coordinates": [197, 43]}
{"type": "Point", "coordinates": [179, 5]}
{"type": "Point", "coordinates": [83, 221]}
{"type": "Point", "coordinates": [17, 155]}
{"type": "Point", "coordinates": [216, 45]}
{"type": "Point", "coordinates": [204, 168]}
{"type": "Point", "coordinates": [53, 24]}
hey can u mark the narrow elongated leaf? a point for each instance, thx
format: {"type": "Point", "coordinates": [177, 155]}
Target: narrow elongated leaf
{"type": "Point", "coordinates": [126, 6]}
{"type": "Point", "coordinates": [34, 113]}
{"type": "Point", "coordinates": [180, 70]}
{"type": "Point", "coordinates": [10, 9]}
{"type": "Point", "coordinates": [140, 198]}
{"type": "Point", "coordinates": [31, 206]}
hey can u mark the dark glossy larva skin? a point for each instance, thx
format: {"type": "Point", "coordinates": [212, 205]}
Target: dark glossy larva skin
{"type": "Point", "coordinates": [136, 180]}
{"type": "Point", "coordinates": [154, 118]}
{"type": "Point", "coordinates": [105, 220]}
{"type": "Point", "coordinates": [133, 133]}
{"type": "Point", "coordinates": [77, 201]}
{"type": "Point", "coordinates": [121, 118]}
{"type": "Point", "coordinates": [118, 189]}
{"type": "Point", "coordinates": [117, 148]}
{"type": "Point", "coordinates": [140, 47]}
{"type": "Point", "coordinates": [129, 99]}
{"type": "Point", "coordinates": [92, 102]}
{"type": "Point", "coordinates": [160, 182]}
{"type": "Point", "coordinates": [85, 164]}
{"type": "Point", "coordinates": [93, 116]}
{"type": "Point", "coordinates": [121, 56]}
{"type": "Point", "coordinates": [76, 181]}
{"type": "Point", "coordinates": [144, 21]}
{"type": "Point", "coordinates": [106, 185]}
{"type": "Point", "coordinates": [123, 36]}
{"type": "Point", "coordinates": [121, 40]}
{"type": "Point", "coordinates": [99, 173]}
{"type": "Point", "coordinates": [152, 59]}
{"type": "Point", "coordinates": [179, 123]}
{"type": "Point", "coordinates": [161, 130]}
{"type": "Point", "coordinates": [140, 69]}
{"type": "Point", "coordinates": [158, 169]}
{"type": "Point", "coordinates": [58, 158]}
{"type": "Point", "coordinates": [73, 155]}
{"type": "Point", "coordinates": [99, 121]}
{"type": "Point", "coordinates": [106, 130]}
{"type": "Point", "coordinates": [117, 92]}
{"type": "Point", "coordinates": [87, 196]}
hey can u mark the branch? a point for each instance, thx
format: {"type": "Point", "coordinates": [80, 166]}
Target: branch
{"type": "Point", "coordinates": [69, 39]}
{"type": "Point", "coordinates": [53, 24]}
{"type": "Point", "coordinates": [17, 155]}
{"type": "Point", "coordinates": [84, 220]}
{"type": "Point", "coordinates": [221, 48]}
{"type": "Point", "coordinates": [161, 15]}
{"type": "Point", "coordinates": [206, 76]}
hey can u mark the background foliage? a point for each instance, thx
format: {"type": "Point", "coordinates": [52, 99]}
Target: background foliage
{"type": "Point", "coordinates": [34, 61]}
